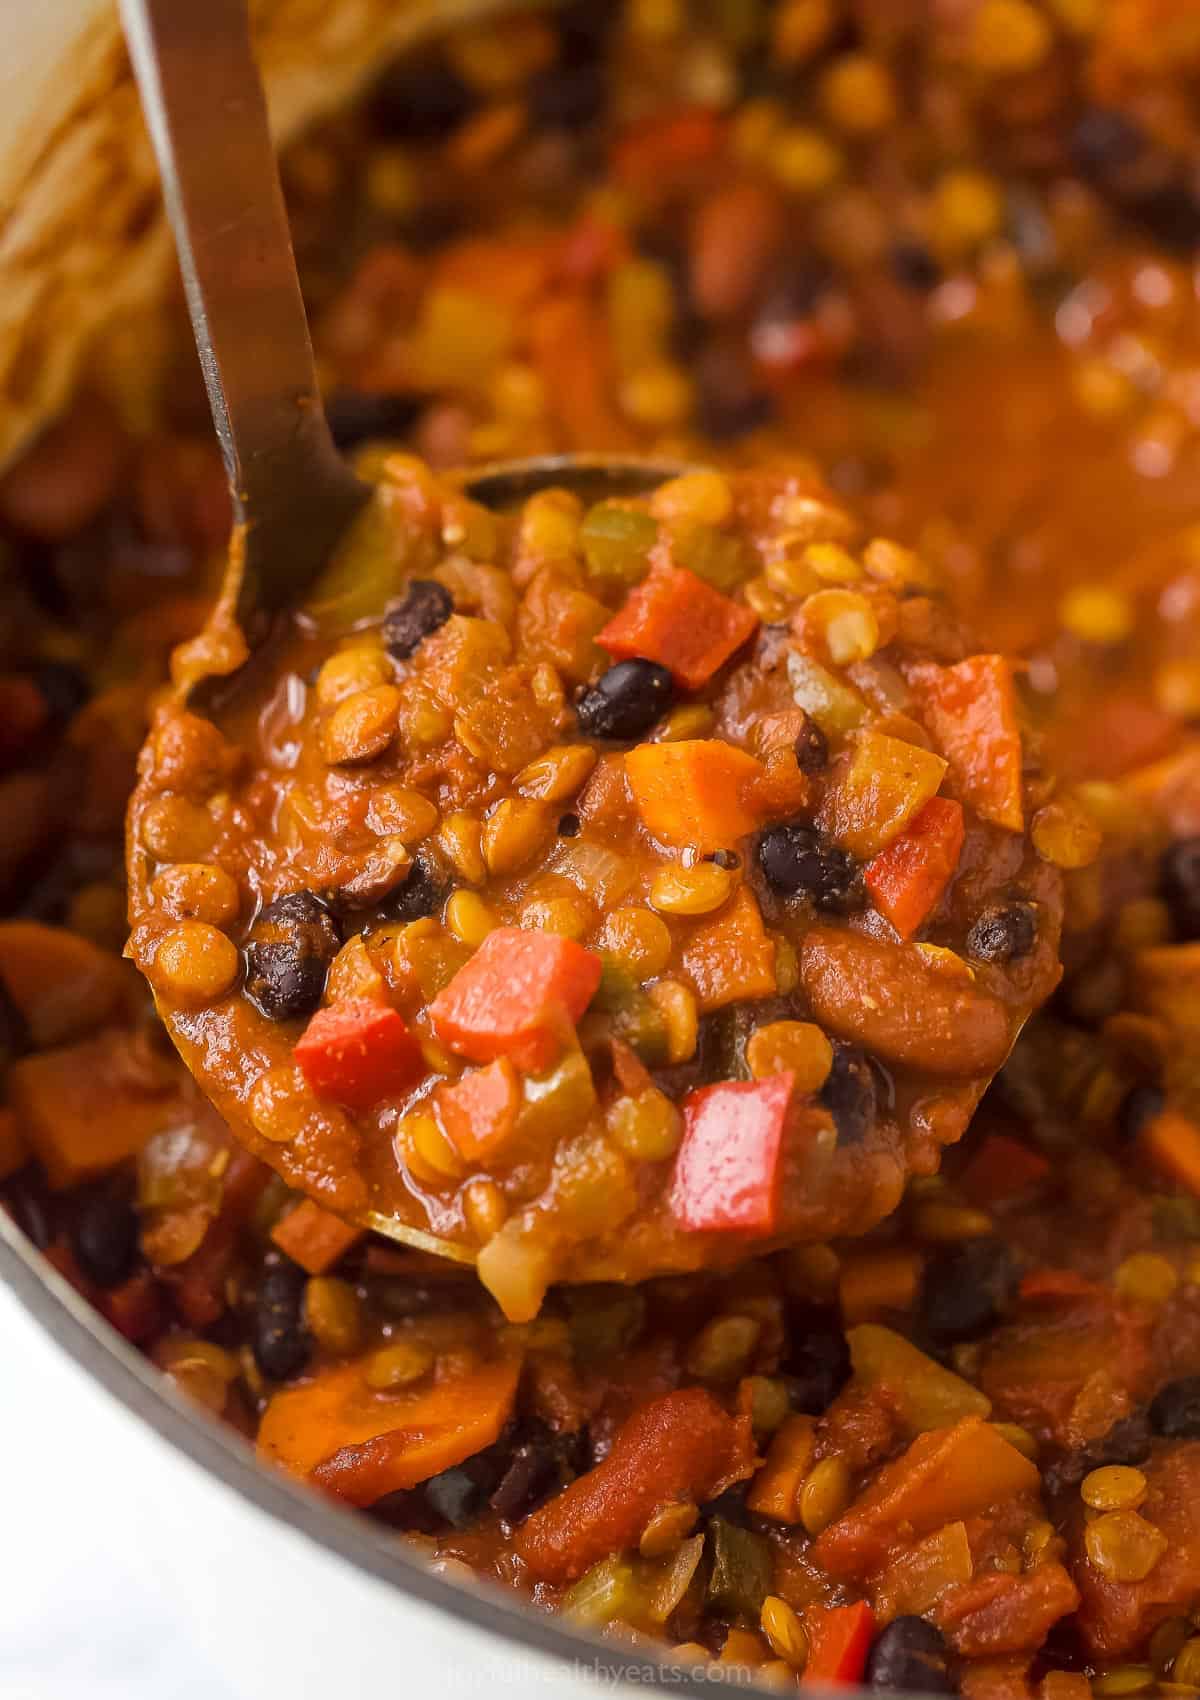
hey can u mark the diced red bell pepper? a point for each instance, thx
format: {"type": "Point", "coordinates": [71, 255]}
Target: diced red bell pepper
{"type": "Point", "coordinates": [676, 619]}
{"type": "Point", "coordinates": [727, 1168]}
{"type": "Point", "coordinates": [682, 1445]}
{"type": "Point", "coordinates": [1002, 1169]}
{"type": "Point", "coordinates": [358, 1052]}
{"type": "Point", "coordinates": [971, 710]}
{"type": "Point", "coordinates": [479, 1111]}
{"type": "Point", "coordinates": [518, 997]}
{"type": "Point", "coordinates": [907, 878]}
{"type": "Point", "coordinates": [316, 1239]}
{"type": "Point", "coordinates": [839, 1639]}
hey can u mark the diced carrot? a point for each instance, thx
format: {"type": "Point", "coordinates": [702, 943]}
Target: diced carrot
{"type": "Point", "coordinates": [13, 1150]}
{"type": "Point", "coordinates": [314, 1238]}
{"type": "Point", "coordinates": [479, 1111]}
{"type": "Point", "coordinates": [680, 1446]}
{"type": "Point", "coordinates": [731, 957]}
{"type": "Point", "coordinates": [360, 1445]}
{"type": "Point", "coordinates": [358, 1052]}
{"type": "Point", "coordinates": [907, 879]}
{"type": "Point", "coordinates": [886, 785]}
{"type": "Point", "coordinates": [971, 710]}
{"type": "Point", "coordinates": [676, 619]}
{"type": "Point", "coordinates": [775, 1490]}
{"type": "Point", "coordinates": [518, 997]}
{"type": "Point", "coordinates": [726, 1174]}
{"type": "Point", "coordinates": [947, 1474]}
{"type": "Point", "coordinates": [873, 1283]}
{"type": "Point", "coordinates": [1172, 1143]}
{"type": "Point", "coordinates": [1002, 1169]}
{"type": "Point", "coordinates": [839, 1639]}
{"type": "Point", "coordinates": [83, 1108]}
{"type": "Point", "coordinates": [695, 794]}
{"type": "Point", "coordinates": [62, 984]}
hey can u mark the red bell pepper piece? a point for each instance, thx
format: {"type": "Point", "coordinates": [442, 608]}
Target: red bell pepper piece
{"type": "Point", "coordinates": [479, 1111]}
{"type": "Point", "coordinates": [676, 619]}
{"type": "Point", "coordinates": [971, 710]}
{"type": "Point", "coordinates": [517, 997]}
{"type": "Point", "coordinates": [357, 1052]}
{"type": "Point", "coordinates": [316, 1239]}
{"type": "Point", "coordinates": [1002, 1169]}
{"type": "Point", "coordinates": [681, 1445]}
{"type": "Point", "coordinates": [727, 1168]}
{"type": "Point", "coordinates": [839, 1640]}
{"type": "Point", "coordinates": [907, 878]}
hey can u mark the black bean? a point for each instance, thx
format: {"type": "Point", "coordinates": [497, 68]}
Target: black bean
{"type": "Point", "coordinates": [1104, 141]}
{"type": "Point", "coordinates": [914, 265]}
{"type": "Point", "coordinates": [288, 953]}
{"type": "Point", "coordinates": [797, 862]}
{"type": "Point", "coordinates": [104, 1234]}
{"type": "Point", "coordinates": [279, 1338]}
{"type": "Point", "coordinates": [569, 826]}
{"type": "Point", "coordinates": [1179, 881]}
{"type": "Point", "coordinates": [63, 687]}
{"type": "Point", "coordinates": [407, 622]}
{"type": "Point", "coordinates": [625, 701]}
{"type": "Point", "coordinates": [812, 748]}
{"type": "Point", "coordinates": [816, 1360]}
{"type": "Point", "coordinates": [422, 893]}
{"type": "Point", "coordinates": [361, 416]}
{"type": "Point", "coordinates": [1126, 1442]}
{"type": "Point", "coordinates": [1139, 1105]}
{"type": "Point", "coordinates": [966, 1289]}
{"type": "Point", "coordinates": [541, 1463]}
{"type": "Point", "coordinates": [850, 1095]}
{"type": "Point", "coordinates": [1002, 933]}
{"type": "Point", "coordinates": [910, 1656]}
{"type": "Point", "coordinates": [419, 99]}
{"type": "Point", "coordinates": [33, 1205]}
{"type": "Point", "coordinates": [730, 400]}
{"type": "Point", "coordinates": [1175, 1409]}
{"type": "Point", "coordinates": [567, 97]}
{"type": "Point", "coordinates": [457, 1495]}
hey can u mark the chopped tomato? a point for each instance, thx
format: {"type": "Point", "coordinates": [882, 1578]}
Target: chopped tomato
{"type": "Point", "coordinates": [727, 1167]}
{"type": "Point", "coordinates": [696, 794]}
{"type": "Point", "coordinates": [519, 997]}
{"type": "Point", "coordinates": [839, 1639]}
{"type": "Point", "coordinates": [676, 619]}
{"type": "Point", "coordinates": [357, 1052]}
{"type": "Point", "coordinates": [907, 879]}
{"type": "Point", "coordinates": [731, 956]}
{"type": "Point", "coordinates": [479, 1111]}
{"type": "Point", "coordinates": [680, 1446]}
{"type": "Point", "coordinates": [1001, 1169]}
{"type": "Point", "coordinates": [971, 710]}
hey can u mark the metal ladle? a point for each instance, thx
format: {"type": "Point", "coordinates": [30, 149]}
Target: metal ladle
{"type": "Point", "coordinates": [293, 494]}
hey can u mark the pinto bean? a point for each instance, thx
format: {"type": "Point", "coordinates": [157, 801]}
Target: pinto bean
{"type": "Point", "coordinates": [734, 238]}
{"type": "Point", "coordinates": [887, 999]}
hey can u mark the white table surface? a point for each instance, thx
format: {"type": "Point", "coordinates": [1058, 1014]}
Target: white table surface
{"type": "Point", "coordinates": [81, 1614]}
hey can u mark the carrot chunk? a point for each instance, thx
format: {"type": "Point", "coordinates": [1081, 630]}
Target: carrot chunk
{"type": "Point", "coordinates": [314, 1238]}
{"type": "Point", "coordinates": [839, 1639]}
{"type": "Point", "coordinates": [479, 1111]}
{"type": "Point", "coordinates": [63, 985]}
{"type": "Point", "coordinates": [906, 880]}
{"type": "Point", "coordinates": [697, 794]}
{"type": "Point", "coordinates": [731, 957]}
{"type": "Point", "coordinates": [357, 1052]}
{"type": "Point", "coordinates": [676, 619]}
{"type": "Point", "coordinates": [947, 1474]}
{"type": "Point", "coordinates": [971, 710]}
{"type": "Point", "coordinates": [517, 997]}
{"type": "Point", "coordinates": [360, 1445]}
{"type": "Point", "coordinates": [727, 1169]}
{"type": "Point", "coordinates": [82, 1108]}
{"type": "Point", "coordinates": [680, 1446]}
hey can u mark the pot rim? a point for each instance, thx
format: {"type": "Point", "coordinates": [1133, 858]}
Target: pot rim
{"type": "Point", "coordinates": [76, 1328]}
